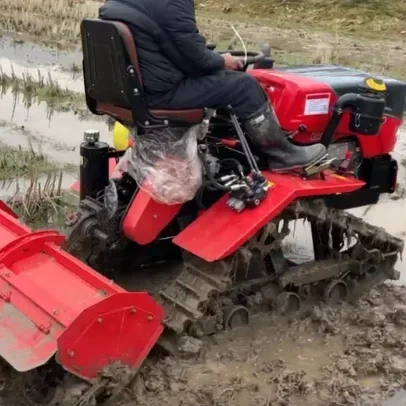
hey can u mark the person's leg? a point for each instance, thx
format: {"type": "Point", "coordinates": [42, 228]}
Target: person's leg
{"type": "Point", "coordinates": [251, 106]}
{"type": "Point", "coordinates": [216, 91]}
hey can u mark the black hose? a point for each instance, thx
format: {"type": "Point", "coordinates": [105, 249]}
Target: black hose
{"type": "Point", "coordinates": [214, 182]}
{"type": "Point", "coordinates": [238, 165]}
{"type": "Point", "coordinates": [344, 102]}
{"type": "Point", "coordinates": [219, 186]}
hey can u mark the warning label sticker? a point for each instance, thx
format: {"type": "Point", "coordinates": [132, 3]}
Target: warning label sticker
{"type": "Point", "coordinates": [317, 104]}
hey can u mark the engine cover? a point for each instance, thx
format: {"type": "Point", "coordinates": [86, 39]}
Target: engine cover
{"type": "Point", "coordinates": [303, 97]}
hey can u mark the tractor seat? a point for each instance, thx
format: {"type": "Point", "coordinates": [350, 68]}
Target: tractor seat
{"type": "Point", "coordinates": [113, 81]}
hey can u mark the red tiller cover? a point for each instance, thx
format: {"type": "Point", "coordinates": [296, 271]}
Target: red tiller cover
{"type": "Point", "coordinates": [50, 302]}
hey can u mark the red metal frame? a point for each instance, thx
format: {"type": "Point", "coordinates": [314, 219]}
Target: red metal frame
{"type": "Point", "coordinates": [51, 302]}
{"type": "Point", "coordinates": [219, 231]}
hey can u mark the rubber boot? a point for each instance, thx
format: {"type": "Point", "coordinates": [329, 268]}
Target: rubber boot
{"type": "Point", "coordinates": [265, 132]}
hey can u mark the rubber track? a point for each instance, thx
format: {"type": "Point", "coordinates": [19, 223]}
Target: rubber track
{"type": "Point", "coordinates": [186, 298]}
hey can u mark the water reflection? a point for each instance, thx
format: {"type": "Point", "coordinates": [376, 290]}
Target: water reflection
{"type": "Point", "coordinates": [58, 135]}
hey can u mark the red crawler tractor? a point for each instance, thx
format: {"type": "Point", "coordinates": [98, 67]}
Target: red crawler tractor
{"type": "Point", "coordinates": [192, 268]}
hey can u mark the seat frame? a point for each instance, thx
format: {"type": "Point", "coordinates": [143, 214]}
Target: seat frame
{"type": "Point", "coordinates": [109, 50]}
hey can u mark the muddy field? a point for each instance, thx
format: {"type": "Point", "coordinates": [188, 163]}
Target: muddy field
{"type": "Point", "coordinates": [351, 354]}
{"type": "Point", "coordinates": [327, 356]}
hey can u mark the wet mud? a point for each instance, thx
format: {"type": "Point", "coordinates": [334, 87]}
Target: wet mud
{"type": "Point", "coordinates": [22, 58]}
{"type": "Point", "coordinates": [345, 355]}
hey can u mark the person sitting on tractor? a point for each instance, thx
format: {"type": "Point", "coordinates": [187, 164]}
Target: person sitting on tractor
{"type": "Point", "coordinates": [180, 72]}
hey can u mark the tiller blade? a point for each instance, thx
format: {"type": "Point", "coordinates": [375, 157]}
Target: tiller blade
{"type": "Point", "coordinates": [53, 304]}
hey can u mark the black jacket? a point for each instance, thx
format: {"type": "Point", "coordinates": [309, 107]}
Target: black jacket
{"type": "Point", "coordinates": [168, 42]}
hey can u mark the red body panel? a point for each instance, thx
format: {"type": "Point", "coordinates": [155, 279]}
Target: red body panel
{"type": "Point", "coordinates": [288, 92]}
{"type": "Point", "coordinates": [219, 231]}
{"type": "Point", "coordinates": [51, 301]}
{"type": "Point", "coordinates": [145, 218]}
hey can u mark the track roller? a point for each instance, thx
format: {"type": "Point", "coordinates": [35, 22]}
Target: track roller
{"type": "Point", "coordinates": [335, 292]}
{"type": "Point", "coordinates": [235, 316]}
{"type": "Point", "coordinates": [288, 303]}
{"type": "Point", "coordinates": [269, 294]}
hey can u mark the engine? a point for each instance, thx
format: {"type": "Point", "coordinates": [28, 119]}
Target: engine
{"type": "Point", "coordinates": [356, 117]}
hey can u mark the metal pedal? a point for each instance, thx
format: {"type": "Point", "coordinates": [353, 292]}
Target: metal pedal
{"type": "Point", "coordinates": [319, 166]}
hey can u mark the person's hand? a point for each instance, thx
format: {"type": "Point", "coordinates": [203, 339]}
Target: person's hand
{"type": "Point", "coordinates": [232, 63]}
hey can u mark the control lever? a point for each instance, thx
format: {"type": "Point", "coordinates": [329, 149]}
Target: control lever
{"type": "Point", "coordinates": [251, 190]}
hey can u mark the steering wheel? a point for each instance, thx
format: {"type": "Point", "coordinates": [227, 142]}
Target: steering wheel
{"type": "Point", "coordinates": [252, 57]}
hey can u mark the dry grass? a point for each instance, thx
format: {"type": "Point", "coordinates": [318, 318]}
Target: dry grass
{"type": "Point", "coordinates": [36, 186]}
{"type": "Point", "coordinates": [43, 204]}
{"type": "Point", "coordinates": [368, 18]}
{"type": "Point", "coordinates": [18, 162]}
{"type": "Point", "coordinates": [58, 20]}
{"type": "Point", "coordinates": [54, 20]}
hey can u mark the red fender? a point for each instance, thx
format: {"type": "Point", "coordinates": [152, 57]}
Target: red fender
{"type": "Point", "coordinates": [145, 218]}
{"type": "Point", "coordinates": [220, 231]}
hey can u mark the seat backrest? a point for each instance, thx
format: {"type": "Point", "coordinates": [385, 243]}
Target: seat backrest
{"type": "Point", "coordinates": [110, 67]}
{"type": "Point", "coordinates": [106, 56]}
{"type": "Point", "coordinates": [113, 82]}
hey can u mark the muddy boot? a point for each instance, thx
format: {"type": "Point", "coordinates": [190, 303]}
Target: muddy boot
{"type": "Point", "coordinates": [265, 132]}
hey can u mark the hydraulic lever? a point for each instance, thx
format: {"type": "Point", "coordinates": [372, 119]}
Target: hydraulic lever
{"type": "Point", "coordinates": [250, 190]}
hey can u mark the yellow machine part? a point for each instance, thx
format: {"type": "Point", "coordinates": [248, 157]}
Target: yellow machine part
{"type": "Point", "coordinates": [376, 84]}
{"type": "Point", "coordinates": [121, 137]}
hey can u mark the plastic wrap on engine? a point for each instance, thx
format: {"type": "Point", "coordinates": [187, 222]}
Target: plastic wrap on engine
{"type": "Point", "coordinates": [165, 163]}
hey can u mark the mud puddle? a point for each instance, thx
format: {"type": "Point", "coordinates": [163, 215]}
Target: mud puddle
{"type": "Point", "coordinates": [57, 136]}
{"type": "Point", "coordinates": [29, 54]}
{"type": "Point", "coordinates": [399, 399]}
{"type": "Point", "coordinates": [70, 81]}
{"type": "Point", "coordinates": [30, 59]}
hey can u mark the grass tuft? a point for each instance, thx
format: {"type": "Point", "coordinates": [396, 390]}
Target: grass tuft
{"type": "Point", "coordinates": [21, 163]}
{"type": "Point", "coordinates": [44, 204]}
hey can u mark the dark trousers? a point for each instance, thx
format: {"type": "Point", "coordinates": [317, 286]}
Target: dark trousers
{"type": "Point", "coordinates": [216, 91]}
